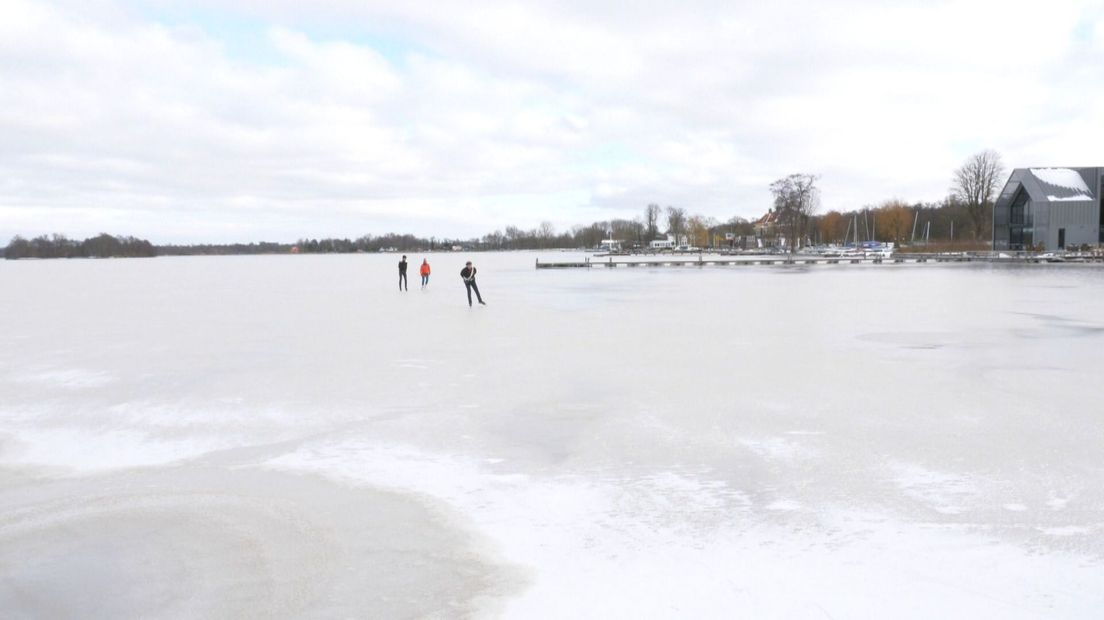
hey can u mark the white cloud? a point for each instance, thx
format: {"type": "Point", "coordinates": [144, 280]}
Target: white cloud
{"type": "Point", "coordinates": [349, 118]}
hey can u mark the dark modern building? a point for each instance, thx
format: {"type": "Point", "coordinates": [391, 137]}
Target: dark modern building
{"type": "Point", "coordinates": [1055, 208]}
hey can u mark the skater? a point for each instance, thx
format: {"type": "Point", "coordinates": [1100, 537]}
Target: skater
{"type": "Point", "coordinates": [402, 273]}
{"type": "Point", "coordinates": [425, 273]}
{"type": "Point", "coordinates": [468, 275]}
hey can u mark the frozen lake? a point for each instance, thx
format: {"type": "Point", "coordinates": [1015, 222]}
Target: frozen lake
{"type": "Point", "coordinates": [289, 436]}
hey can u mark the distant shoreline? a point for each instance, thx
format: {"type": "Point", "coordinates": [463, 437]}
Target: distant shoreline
{"type": "Point", "coordinates": [110, 246]}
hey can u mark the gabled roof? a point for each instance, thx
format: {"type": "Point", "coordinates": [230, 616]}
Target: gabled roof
{"type": "Point", "coordinates": [767, 220]}
{"type": "Point", "coordinates": [1051, 185]}
{"type": "Point", "coordinates": [1061, 184]}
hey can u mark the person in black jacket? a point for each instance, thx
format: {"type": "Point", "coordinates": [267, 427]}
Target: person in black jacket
{"type": "Point", "coordinates": [468, 275]}
{"type": "Point", "coordinates": [402, 273]}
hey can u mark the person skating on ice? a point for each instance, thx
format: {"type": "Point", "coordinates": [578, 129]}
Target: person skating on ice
{"type": "Point", "coordinates": [468, 275]}
{"type": "Point", "coordinates": [425, 273]}
{"type": "Point", "coordinates": [402, 273]}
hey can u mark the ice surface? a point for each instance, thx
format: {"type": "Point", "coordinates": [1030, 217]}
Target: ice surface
{"type": "Point", "coordinates": [289, 436]}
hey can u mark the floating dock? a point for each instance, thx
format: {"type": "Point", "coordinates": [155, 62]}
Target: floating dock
{"type": "Point", "coordinates": [749, 260]}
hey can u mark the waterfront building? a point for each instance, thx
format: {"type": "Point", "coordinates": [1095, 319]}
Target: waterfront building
{"type": "Point", "coordinates": [766, 227]}
{"type": "Point", "coordinates": [1050, 208]}
{"type": "Point", "coordinates": [663, 244]}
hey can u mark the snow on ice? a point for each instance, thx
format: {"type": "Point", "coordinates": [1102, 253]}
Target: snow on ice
{"type": "Point", "coordinates": [289, 436]}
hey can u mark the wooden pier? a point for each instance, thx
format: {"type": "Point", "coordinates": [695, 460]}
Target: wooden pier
{"type": "Point", "coordinates": [751, 260]}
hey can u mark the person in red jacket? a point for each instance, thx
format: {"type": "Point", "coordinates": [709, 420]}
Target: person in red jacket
{"type": "Point", "coordinates": [425, 273]}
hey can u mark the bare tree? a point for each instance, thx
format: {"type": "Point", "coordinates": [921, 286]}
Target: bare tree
{"type": "Point", "coordinates": [627, 230]}
{"type": "Point", "coordinates": [796, 198]}
{"type": "Point", "coordinates": [676, 222]}
{"type": "Point", "coordinates": [740, 226]}
{"type": "Point", "coordinates": [651, 221]}
{"type": "Point", "coordinates": [975, 185]}
{"type": "Point", "coordinates": [546, 231]}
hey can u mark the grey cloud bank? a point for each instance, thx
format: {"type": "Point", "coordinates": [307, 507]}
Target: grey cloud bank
{"type": "Point", "coordinates": [264, 120]}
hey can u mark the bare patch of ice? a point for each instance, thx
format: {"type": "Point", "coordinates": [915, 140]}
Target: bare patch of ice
{"type": "Point", "coordinates": [1057, 503]}
{"type": "Point", "coordinates": [777, 448]}
{"type": "Point", "coordinates": [67, 378]}
{"type": "Point", "coordinates": [943, 492]}
{"type": "Point", "coordinates": [1066, 530]}
{"type": "Point", "coordinates": [93, 451]}
{"type": "Point", "coordinates": [784, 504]}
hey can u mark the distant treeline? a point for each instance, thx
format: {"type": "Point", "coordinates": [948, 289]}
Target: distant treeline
{"type": "Point", "coordinates": [370, 243]}
{"type": "Point", "coordinates": [109, 246]}
{"type": "Point", "coordinates": [893, 220]}
{"type": "Point", "coordinates": [263, 247]}
{"type": "Point", "coordinates": [60, 246]}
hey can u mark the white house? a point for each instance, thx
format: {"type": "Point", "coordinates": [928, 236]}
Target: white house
{"type": "Point", "coordinates": [660, 244]}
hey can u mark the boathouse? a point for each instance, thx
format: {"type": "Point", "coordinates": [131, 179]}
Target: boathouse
{"type": "Point", "coordinates": [1049, 208]}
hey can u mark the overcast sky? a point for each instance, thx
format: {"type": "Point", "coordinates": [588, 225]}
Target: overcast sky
{"type": "Point", "coordinates": [194, 121]}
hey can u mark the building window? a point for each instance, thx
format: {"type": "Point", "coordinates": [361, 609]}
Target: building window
{"type": "Point", "coordinates": [1017, 217]}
